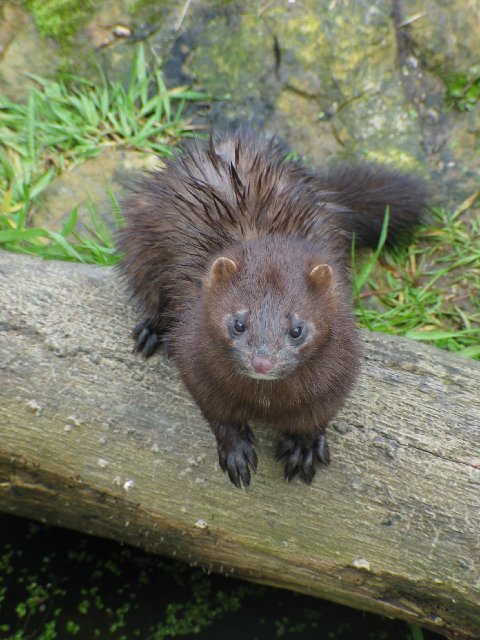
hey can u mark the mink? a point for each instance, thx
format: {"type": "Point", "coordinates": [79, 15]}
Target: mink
{"type": "Point", "coordinates": [239, 259]}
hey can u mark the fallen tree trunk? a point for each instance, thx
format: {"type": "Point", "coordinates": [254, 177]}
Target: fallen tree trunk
{"type": "Point", "coordinates": [99, 440]}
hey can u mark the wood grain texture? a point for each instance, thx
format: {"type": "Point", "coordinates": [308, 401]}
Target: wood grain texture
{"type": "Point", "coordinates": [99, 440]}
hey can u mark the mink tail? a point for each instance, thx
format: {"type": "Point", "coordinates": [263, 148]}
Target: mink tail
{"type": "Point", "coordinates": [365, 192]}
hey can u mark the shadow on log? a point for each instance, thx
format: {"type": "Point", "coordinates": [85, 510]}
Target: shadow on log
{"type": "Point", "coordinates": [96, 439]}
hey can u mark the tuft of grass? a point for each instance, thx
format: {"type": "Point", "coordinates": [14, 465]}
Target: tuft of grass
{"type": "Point", "coordinates": [66, 121]}
{"type": "Point", "coordinates": [428, 291]}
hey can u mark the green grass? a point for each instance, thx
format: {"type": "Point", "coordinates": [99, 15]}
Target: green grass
{"type": "Point", "coordinates": [428, 291]}
{"type": "Point", "coordinates": [66, 121]}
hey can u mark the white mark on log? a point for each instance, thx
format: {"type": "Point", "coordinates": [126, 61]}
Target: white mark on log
{"type": "Point", "coordinates": [35, 407]}
{"type": "Point", "coordinates": [434, 543]}
{"type": "Point", "coordinates": [117, 481]}
{"type": "Point", "coordinates": [72, 421]}
{"type": "Point", "coordinates": [361, 563]}
{"type": "Point", "coordinates": [128, 484]}
{"type": "Point", "coordinates": [102, 463]}
{"type": "Point", "coordinates": [155, 448]}
{"type": "Point", "coordinates": [356, 483]}
{"type": "Point", "coordinates": [194, 462]}
{"type": "Point", "coordinates": [201, 524]}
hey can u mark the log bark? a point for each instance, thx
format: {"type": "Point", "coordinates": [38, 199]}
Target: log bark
{"type": "Point", "coordinates": [96, 439]}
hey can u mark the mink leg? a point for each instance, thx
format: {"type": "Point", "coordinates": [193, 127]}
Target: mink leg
{"type": "Point", "coordinates": [302, 452]}
{"type": "Point", "coordinates": [236, 453]}
{"type": "Point", "coordinates": [148, 335]}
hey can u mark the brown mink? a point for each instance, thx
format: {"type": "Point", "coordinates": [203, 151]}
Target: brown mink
{"type": "Point", "coordinates": [239, 260]}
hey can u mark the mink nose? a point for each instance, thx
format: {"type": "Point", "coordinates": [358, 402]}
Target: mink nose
{"type": "Point", "coordinates": [261, 365]}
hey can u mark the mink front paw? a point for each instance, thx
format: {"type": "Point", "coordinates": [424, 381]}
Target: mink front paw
{"type": "Point", "coordinates": [236, 452]}
{"type": "Point", "coordinates": [302, 454]}
{"type": "Point", "coordinates": [146, 338]}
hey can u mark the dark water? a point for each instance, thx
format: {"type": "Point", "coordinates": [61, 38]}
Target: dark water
{"type": "Point", "coordinates": [56, 583]}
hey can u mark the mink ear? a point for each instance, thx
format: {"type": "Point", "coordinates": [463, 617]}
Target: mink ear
{"type": "Point", "coordinates": [321, 276]}
{"type": "Point", "coordinates": [221, 271]}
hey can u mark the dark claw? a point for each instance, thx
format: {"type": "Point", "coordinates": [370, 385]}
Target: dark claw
{"type": "Point", "coordinates": [146, 339]}
{"type": "Point", "coordinates": [322, 450]}
{"type": "Point", "coordinates": [150, 346]}
{"type": "Point", "coordinates": [302, 453]}
{"type": "Point", "coordinates": [236, 453]}
{"type": "Point", "coordinates": [138, 328]}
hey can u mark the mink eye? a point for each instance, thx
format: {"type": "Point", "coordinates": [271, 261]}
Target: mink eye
{"type": "Point", "coordinates": [239, 326]}
{"type": "Point", "coordinates": [296, 332]}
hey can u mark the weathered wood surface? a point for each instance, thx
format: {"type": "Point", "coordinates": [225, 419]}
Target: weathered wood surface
{"type": "Point", "coordinates": [96, 439]}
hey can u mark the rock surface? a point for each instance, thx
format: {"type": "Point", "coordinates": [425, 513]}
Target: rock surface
{"type": "Point", "coordinates": [335, 78]}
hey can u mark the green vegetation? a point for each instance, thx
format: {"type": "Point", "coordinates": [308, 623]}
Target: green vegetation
{"type": "Point", "coordinates": [462, 89]}
{"type": "Point", "coordinates": [60, 18]}
{"type": "Point", "coordinates": [66, 121]}
{"type": "Point", "coordinates": [429, 290]}
{"type": "Point", "coordinates": [99, 596]}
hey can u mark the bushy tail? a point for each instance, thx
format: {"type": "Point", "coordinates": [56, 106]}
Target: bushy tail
{"type": "Point", "coordinates": [366, 191]}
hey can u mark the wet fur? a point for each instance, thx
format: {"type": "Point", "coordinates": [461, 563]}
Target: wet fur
{"type": "Point", "coordinates": [239, 199]}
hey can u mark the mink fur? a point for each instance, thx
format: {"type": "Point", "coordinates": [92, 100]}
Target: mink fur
{"type": "Point", "coordinates": [239, 260]}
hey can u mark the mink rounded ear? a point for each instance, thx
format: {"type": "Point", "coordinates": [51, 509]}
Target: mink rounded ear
{"type": "Point", "coordinates": [221, 271]}
{"type": "Point", "coordinates": [321, 276]}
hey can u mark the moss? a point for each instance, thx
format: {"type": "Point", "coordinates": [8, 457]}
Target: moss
{"type": "Point", "coordinates": [60, 19]}
{"type": "Point", "coordinates": [230, 55]}
{"type": "Point", "coordinates": [462, 89]}
{"type": "Point", "coordinates": [135, 6]}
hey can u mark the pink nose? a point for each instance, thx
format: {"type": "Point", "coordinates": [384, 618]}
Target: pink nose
{"type": "Point", "coordinates": [261, 365]}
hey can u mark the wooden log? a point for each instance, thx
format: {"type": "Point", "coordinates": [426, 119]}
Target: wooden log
{"type": "Point", "coordinates": [96, 439]}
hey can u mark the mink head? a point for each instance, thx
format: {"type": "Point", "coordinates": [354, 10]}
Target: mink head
{"type": "Point", "coordinates": [269, 305]}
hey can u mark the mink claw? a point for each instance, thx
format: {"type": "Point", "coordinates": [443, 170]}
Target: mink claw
{"type": "Point", "coordinates": [302, 455]}
{"type": "Point", "coordinates": [237, 457]}
{"type": "Point", "coordinates": [322, 450]}
{"type": "Point", "coordinates": [146, 339]}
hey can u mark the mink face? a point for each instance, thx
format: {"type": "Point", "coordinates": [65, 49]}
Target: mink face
{"type": "Point", "coordinates": [269, 313]}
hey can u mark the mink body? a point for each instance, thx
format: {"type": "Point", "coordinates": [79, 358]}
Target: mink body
{"type": "Point", "coordinates": [239, 260]}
